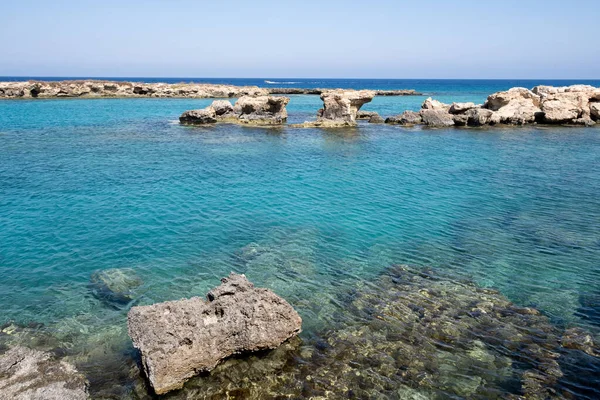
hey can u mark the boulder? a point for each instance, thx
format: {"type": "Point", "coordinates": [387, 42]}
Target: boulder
{"type": "Point", "coordinates": [431, 104]}
{"type": "Point", "coordinates": [436, 118]}
{"type": "Point", "coordinates": [27, 374]}
{"type": "Point", "coordinates": [223, 108]}
{"type": "Point", "coordinates": [376, 119]}
{"type": "Point", "coordinates": [517, 106]}
{"type": "Point", "coordinates": [365, 115]}
{"type": "Point", "coordinates": [261, 110]}
{"type": "Point", "coordinates": [179, 339]}
{"type": "Point", "coordinates": [460, 119]}
{"type": "Point", "coordinates": [406, 118]}
{"type": "Point", "coordinates": [595, 111]}
{"type": "Point", "coordinates": [481, 117]}
{"type": "Point", "coordinates": [199, 117]}
{"type": "Point", "coordinates": [460, 108]}
{"type": "Point", "coordinates": [340, 107]}
{"type": "Point", "coordinates": [567, 104]}
{"type": "Point", "coordinates": [115, 285]}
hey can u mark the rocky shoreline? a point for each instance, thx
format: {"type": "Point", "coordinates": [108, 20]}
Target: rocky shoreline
{"type": "Point", "coordinates": [100, 88]}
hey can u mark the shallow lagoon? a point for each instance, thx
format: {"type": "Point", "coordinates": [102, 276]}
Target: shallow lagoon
{"type": "Point", "coordinates": [87, 185]}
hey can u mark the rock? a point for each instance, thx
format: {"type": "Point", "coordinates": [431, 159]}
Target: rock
{"type": "Point", "coordinates": [436, 118]}
{"type": "Point", "coordinates": [376, 119]}
{"type": "Point", "coordinates": [341, 106]}
{"type": "Point", "coordinates": [199, 117]}
{"type": "Point", "coordinates": [583, 122]}
{"type": "Point", "coordinates": [116, 285]}
{"type": "Point", "coordinates": [565, 104]}
{"type": "Point", "coordinates": [481, 117]}
{"type": "Point", "coordinates": [517, 106]}
{"type": "Point", "coordinates": [579, 339]}
{"type": "Point", "coordinates": [406, 118]}
{"type": "Point", "coordinates": [262, 110]}
{"type": "Point", "coordinates": [460, 119]}
{"type": "Point", "coordinates": [223, 108]}
{"type": "Point", "coordinates": [178, 339]}
{"type": "Point", "coordinates": [595, 111]}
{"type": "Point", "coordinates": [460, 108]}
{"type": "Point", "coordinates": [27, 374]}
{"type": "Point", "coordinates": [431, 104]}
{"type": "Point", "coordinates": [366, 115]}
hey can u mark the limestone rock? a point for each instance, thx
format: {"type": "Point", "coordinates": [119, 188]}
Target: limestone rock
{"type": "Point", "coordinates": [179, 339]}
{"type": "Point", "coordinates": [481, 117]}
{"type": "Point", "coordinates": [460, 119]}
{"type": "Point", "coordinates": [376, 119]}
{"type": "Point", "coordinates": [116, 285]}
{"type": "Point", "coordinates": [595, 111]}
{"type": "Point", "coordinates": [223, 108]}
{"type": "Point", "coordinates": [262, 110]}
{"type": "Point", "coordinates": [436, 118]}
{"type": "Point", "coordinates": [340, 107]}
{"type": "Point", "coordinates": [460, 108]}
{"type": "Point", "coordinates": [431, 104]}
{"type": "Point", "coordinates": [517, 106]}
{"type": "Point", "coordinates": [199, 117]}
{"type": "Point", "coordinates": [579, 339]}
{"type": "Point", "coordinates": [27, 374]}
{"type": "Point", "coordinates": [365, 115]}
{"type": "Point", "coordinates": [406, 118]}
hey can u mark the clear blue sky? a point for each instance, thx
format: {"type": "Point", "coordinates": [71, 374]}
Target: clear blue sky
{"type": "Point", "coordinates": [337, 39]}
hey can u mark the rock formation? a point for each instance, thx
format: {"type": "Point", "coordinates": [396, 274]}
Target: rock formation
{"type": "Point", "coordinates": [93, 88]}
{"type": "Point", "coordinates": [27, 374]}
{"type": "Point", "coordinates": [572, 105]}
{"type": "Point", "coordinates": [400, 92]}
{"type": "Point", "coordinates": [178, 339]}
{"type": "Point", "coordinates": [365, 115]}
{"type": "Point", "coordinates": [340, 108]}
{"type": "Point", "coordinates": [262, 110]}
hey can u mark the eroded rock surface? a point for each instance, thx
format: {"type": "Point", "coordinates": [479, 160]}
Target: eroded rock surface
{"type": "Point", "coordinates": [179, 339]}
{"type": "Point", "coordinates": [27, 374]}
{"type": "Point", "coordinates": [262, 110]}
{"type": "Point", "coordinates": [340, 108]}
{"type": "Point", "coordinates": [406, 118]}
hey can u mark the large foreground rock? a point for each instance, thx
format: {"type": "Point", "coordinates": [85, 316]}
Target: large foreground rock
{"type": "Point", "coordinates": [27, 374]}
{"type": "Point", "coordinates": [179, 339]}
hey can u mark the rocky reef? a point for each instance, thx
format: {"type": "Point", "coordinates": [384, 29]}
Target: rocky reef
{"type": "Point", "coordinates": [415, 334]}
{"type": "Point", "coordinates": [401, 92]}
{"type": "Point", "coordinates": [93, 88]}
{"type": "Point", "coordinates": [573, 105]}
{"type": "Point", "coordinates": [261, 110]}
{"type": "Point", "coordinates": [179, 339]}
{"type": "Point", "coordinates": [340, 108]}
{"type": "Point", "coordinates": [27, 374]}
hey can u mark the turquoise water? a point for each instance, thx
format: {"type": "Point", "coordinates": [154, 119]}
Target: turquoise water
{"type": "Point", "coordinates": [87, 185]}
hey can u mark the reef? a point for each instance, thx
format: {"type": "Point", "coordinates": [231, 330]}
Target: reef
{"type": "Point", "coordinates": [261, 111]}
{"type": "Point", "coordinates": [179, 339]}
{"type": "Point", "coordinates": [27, 374]}
{"type": "Point", "coordinates": [577, 105]}
{"type": "Point", "coordinates": [414, 334]}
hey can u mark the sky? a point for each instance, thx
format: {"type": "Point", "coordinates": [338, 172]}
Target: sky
{"type": "Point", "coordinates": [301, 39]}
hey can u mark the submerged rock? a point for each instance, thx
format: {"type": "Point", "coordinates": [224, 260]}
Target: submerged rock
{"type": "Point", "coordinates": [179, 339]}
{"type": "Point", "coordinates": [116, 285]}
{"type": "Point", "coordinates": [27, 374]}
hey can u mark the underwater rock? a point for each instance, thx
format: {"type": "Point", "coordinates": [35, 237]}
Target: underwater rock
{"type": "Point", "coordinates": [27, 374]}
{"type": "Point", "coordinates": [579, 339]}
{"type": "Point", "coordinates": [116, 285]}
{"type": "Point", "coordinates": [179, 339]}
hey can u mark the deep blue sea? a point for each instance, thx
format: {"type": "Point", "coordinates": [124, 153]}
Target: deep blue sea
{"type": "Point", "coordinates": [92, 184]}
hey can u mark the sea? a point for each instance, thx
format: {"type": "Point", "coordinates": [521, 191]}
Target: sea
{"type": "Point", "coordinates": [88, 185]}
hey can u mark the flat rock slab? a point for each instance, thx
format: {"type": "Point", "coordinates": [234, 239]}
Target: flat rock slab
{"type": "Point", "coordinates": [179, 339]}
{"type": "Point", "coordinates": [27, 374]}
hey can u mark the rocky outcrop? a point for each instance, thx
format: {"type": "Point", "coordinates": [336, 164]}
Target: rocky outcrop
{"type": "Point", "coordinates": [116, 285]}
{"type": "Point", "coordinates": [93, 88]}
{"type": "Point", "coordinates": [573, 105]}
{"type": "Point", "coordinates": [27, 374]}
{"type": "Point", "coordinates": [365, 115]}
{"type": "Point", "coordinates": [376, 119]}
{"type": "Point", "coordinates": [179, 339]}
{"type": "Point", "coordinates": [401, 92]}
{"type": "Point", "coordinates": [340, 108]}
{"type": "Point", "coordinates": [406, 118]}
{"type": "Point", "coordinates": [262, 110]}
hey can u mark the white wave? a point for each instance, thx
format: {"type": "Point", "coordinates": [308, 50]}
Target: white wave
{"type": "Point", "coordinates": [280, 83]}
